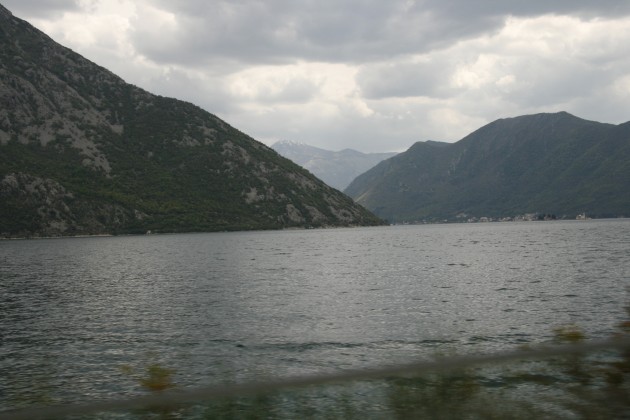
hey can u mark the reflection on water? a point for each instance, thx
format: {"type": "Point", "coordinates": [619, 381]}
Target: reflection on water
{"type": "Point", "coordinates": [232, 306]}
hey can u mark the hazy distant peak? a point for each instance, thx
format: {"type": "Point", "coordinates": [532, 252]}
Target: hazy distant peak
{"type": "Point", "coordinates": [336, 168]}
{"type": "Point", "coordinates": [288, 143]}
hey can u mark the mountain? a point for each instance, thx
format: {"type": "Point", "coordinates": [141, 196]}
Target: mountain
{"type": "Point", "coordinates": [83, 152]}
{"type": "Point", "coordinates": [547, 163]}
{"type": "Point", "coordinates": [336, 169]}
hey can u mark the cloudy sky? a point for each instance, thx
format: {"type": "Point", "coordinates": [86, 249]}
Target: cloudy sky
{"type": "Point", "coordinates": [372, 75]}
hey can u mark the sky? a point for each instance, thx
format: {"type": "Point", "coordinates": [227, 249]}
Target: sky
{"type": "Point", "coordinates": [371, 75]}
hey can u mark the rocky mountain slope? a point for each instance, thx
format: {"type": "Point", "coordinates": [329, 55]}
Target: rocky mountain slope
{"type": "Point", "coordinates": [335, 168]}
{"type": "Point", "coordinates": [547, 163]}
{"type": "Point", "coordinates": [83, 152]}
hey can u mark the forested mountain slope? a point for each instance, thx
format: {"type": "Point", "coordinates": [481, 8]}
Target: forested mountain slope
{"type": "Point", "coordinates": [83, 152]}
{"type": "Point", "coordinates": [547, 163]}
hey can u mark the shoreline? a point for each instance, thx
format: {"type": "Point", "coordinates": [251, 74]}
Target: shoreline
{"type": "Point", "coordinates": [109, 235]}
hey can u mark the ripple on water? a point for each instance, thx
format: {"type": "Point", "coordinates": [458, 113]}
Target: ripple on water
{"type": "Point", "coordinates": [223, 306]}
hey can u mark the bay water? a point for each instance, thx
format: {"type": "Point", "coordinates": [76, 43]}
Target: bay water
{"type": "Point", "coordinates": [78, 316]}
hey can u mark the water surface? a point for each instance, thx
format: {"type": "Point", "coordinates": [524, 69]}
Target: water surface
{"type": "Point", "coordinates": [223, 307]}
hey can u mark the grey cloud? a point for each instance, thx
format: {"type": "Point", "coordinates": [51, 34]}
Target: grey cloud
{"type": "Point", "coordinates": [602, 107]}
{"type": "Point", "coordinates": [473, 10]}
{"type": "Point", "coordinates": [405, 79]}
{"type": "Point", "coordinates": [547, 82]}
{"type": "Point", "coordinates": [372, 134]}
{"type": "Point", "coordinates": [213, 32]}
{"type": "Point", "coordinates": [295, 91]}
{"type": "Point", "coordinates": [280, 31]}
{"type": "Point", "coordinates": [207, 42]}
{"type": "Point", "coordinates": [40, 8]}
{"type": "Point", "coordinates": [283, 31]}
{"type": "Point", "coordinates": [556, 85]}
{"type": "Point", "coordinates": [391, 128]}
{"type": "Point", "coordinates": [209, 94]}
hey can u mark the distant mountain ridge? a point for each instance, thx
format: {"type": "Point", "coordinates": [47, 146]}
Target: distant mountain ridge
{"type": "Point", "coordinates": [548, 163]}
{"type": "Point", "coordinates": [335, 168]}
{"type": "Point", "coordinates": [83, 152]}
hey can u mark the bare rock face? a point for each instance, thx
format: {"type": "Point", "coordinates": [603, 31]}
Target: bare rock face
{"type": "Point", "coordinates": [83, 152]}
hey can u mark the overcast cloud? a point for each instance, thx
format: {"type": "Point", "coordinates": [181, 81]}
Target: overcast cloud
{"type": "Point", "coordinates": [371, 75]}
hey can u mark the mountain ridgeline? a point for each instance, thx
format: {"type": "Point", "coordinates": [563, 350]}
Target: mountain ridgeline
{"type": "Point", "coordinates": [554, 164]}
{"type": "Point", "coordinates": [335, 168]}
{"type": "Point", "coordinates": [83, 152]}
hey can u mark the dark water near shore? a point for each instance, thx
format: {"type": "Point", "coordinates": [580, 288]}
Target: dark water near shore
{"type": "Point", "coordinates": [239, 306]}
